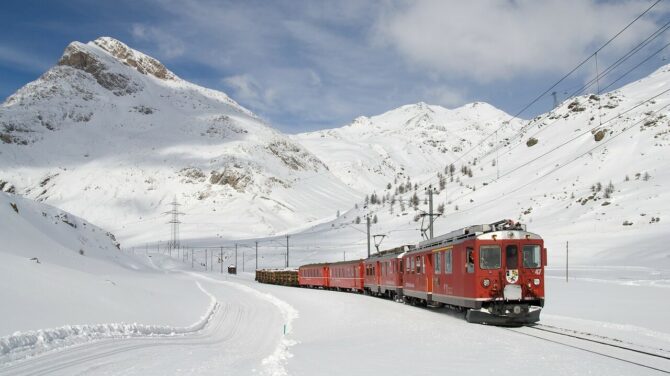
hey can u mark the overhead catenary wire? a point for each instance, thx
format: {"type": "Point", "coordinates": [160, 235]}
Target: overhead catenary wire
{"type": "Point", "coordinates": [653, 36]}
{"type": "Point", "coordinates": [564, 77]}
{"type": "Point", "coordinates": [560, 166]}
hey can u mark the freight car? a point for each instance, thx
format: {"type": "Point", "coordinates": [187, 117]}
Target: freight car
{"type": "Point", "coordinates": [284, 277]}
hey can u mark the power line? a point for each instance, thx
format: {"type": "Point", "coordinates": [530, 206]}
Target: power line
{"type": "Point", "coordinates": [563, 78]}
{"type": "Point", "coordinates": [174, 225]}
{"type": "Point", "coordinates": [569, 162]}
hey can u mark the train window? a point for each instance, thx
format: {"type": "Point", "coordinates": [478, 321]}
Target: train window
{"type": "Point", "coordinates": [470, 260]}
{"type": "Point", "coordinates": [436, 262]}
{"type": "Point", "coordinates": [489, 257]}
{"type": "Point", "coordinates": [532, 257]}
{"type": "Point", "coordinates": [511, 257]}
{"type": "Point", "coordinates": [418, 264]}
{"type": "Point", "coordinates": [411, 265]}
{"type": "Point", "coordinates": [447, 262]}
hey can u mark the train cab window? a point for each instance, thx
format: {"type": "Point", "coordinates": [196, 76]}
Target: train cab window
{"type": "Point", "coordinates": [532, 257]}
{"type": "Point", "coordinates": [447, 262]}
{"type": "Point", "coordinates": [489, 257]}
{"type": "Point", "coordinates": [436, 262]}
{"type": "Point", "coordinates": [511, 257]}
{"type": "Point", "coordinates": [470, 260]}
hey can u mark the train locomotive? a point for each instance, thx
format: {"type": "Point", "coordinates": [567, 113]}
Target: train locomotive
{"type": "Point", "coordinates": [493, 272]}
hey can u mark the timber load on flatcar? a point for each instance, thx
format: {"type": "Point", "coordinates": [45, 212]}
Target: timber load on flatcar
{"type": "Point", "coordinates": [284, 277]}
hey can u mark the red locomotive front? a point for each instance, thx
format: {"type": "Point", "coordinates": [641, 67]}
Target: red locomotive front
{"type": "Point", "coordinates": [495, 272]}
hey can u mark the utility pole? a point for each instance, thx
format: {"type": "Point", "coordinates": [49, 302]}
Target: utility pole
{"type": "Point", "coordinates": [430, 190]}
{"type": "Point", "coordinates": [430, 209]}
{"type": "Point", "coordinates": [566, 261]}
{"type": "Point", "coordinates": [235, 256]}
{"type": "Point", "coordinates": [221, 259]}
{"type": "Point", "coordinates": [191, 258]}
{"type": "Point", "coordinates": [553, 93]}
{"type": "Point", "coordinates": [174, 222]}
{"type": "Point", "coordinates": [287, 251]}
{"type": "Point", "coordinates": [367, 221]}
{"type": "Point", "coordinates": [256, 255]}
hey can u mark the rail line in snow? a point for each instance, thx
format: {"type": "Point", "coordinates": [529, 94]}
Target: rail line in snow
{"type": "Point", "coordinates": [620, 352]}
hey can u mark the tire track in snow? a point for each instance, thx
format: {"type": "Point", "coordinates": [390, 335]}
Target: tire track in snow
{"type": "Point", "coordinates": [275, 363]}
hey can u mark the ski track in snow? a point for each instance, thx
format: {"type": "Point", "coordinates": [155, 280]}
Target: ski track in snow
{"type": "Point", "coordinates": [21, 345]}
{"type": "Point", "coordinates": [275, 363]}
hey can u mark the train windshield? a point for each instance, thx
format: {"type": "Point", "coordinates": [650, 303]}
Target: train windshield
{"type": "Point", "coordinates": [532, 257]}
{"type": "Point", "coordinates": [511, 257]}
{"type": "Point", "coordinates": [489, 257]}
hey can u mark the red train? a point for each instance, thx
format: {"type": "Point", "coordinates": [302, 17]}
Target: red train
{"type": "Point", "coordinates": [494, 272]}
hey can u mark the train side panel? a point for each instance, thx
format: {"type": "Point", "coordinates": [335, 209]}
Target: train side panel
{"type": "Point", "coordinates": [347, 275]}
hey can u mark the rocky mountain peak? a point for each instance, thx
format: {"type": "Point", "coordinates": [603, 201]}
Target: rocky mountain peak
{"type": "Point", "coordinates": [143, 63]}
{"type": "Point", "coordinates": [92, 60]}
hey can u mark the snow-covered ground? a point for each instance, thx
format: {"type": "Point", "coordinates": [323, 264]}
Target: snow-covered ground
{"type": "Point", "coordinates": [259, 329]}
{"type": "Point", "coordinates": [88, 307]}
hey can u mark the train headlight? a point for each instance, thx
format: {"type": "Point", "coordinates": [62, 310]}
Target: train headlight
{"type": "Point", "coordinates": [486, 282]}
{"type": "Point", "coordinates": [536, 281]}
{"type": "Point", "coordinates": [529, 285]}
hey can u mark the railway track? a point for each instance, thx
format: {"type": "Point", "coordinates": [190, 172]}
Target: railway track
{"type": "Point", "coordinates": [656, 359]}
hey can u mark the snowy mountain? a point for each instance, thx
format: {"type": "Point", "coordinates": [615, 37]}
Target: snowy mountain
{"type": "Point", "coordinates": [412, 141]}
{"type": "Point", "coordinates": [591, 174]}
{"type": "Point", "coordinates": [112, 135]}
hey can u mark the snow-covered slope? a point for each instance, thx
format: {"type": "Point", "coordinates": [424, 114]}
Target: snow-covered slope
{"type": "Point", "coordinates": [59, 269]}
{"type": "Point", "coordinates": [412, 141]}
{"type": "Point", "coordinates": [112, 135]}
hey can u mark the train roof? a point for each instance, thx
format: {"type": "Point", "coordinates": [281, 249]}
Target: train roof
{"type": "Point", "coordinates": [392, 253]}
{"type": "Point", "coordinates": [321, 264]}
{"type": "Point", "coordinates": [503, 229]}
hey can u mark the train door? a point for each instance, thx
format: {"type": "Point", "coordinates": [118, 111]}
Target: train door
{"type": "Point", "coordinates": [437, 272]}
{"type": "Point", "coordinates": [464, 271]}
{"type": "Point", "coordinates": [428, 270]}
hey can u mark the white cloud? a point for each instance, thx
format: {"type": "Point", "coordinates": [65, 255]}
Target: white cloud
{"type": "Point", "coordinates": [168, 45]}
{"type": "Point", "coordinates": [444, 96]}
{"type": "Point", "coordinates": [491, 40]}
{"type": "Point", "coordinates": [21, 60]}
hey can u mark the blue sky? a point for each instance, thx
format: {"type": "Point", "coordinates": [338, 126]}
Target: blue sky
{"type": "Point", "coordinates": [307, 65]}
